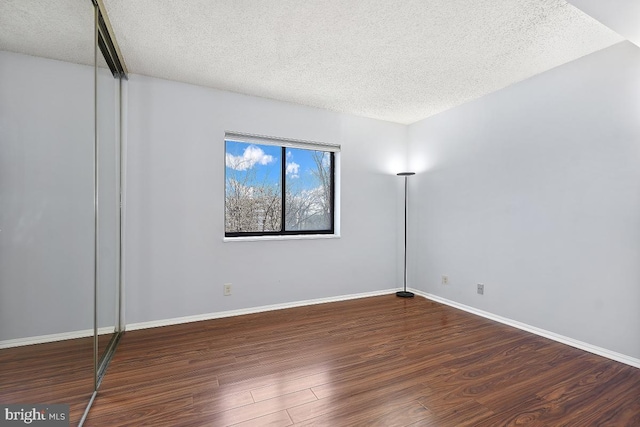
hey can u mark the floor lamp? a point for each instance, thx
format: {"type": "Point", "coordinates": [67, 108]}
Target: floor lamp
{"type": "Point", "coordinates": [405, 293]}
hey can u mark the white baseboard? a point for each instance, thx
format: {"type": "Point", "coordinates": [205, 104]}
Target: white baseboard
{"type": "Point", "coordinates": [628, 360]}
{"type": "Point", "coordinates": [252, 310]}
{"type": "Point", "coordinates": [619, 357]}
{"type": "Point", "coordinates": [178, 320]}
{"type": "Point", "coordinates": [41, 339]}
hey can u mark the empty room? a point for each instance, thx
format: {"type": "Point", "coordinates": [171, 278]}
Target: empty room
{"type": "Point", "coordinates": [320, 213]}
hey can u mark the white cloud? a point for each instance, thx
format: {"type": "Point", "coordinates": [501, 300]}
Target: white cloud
{"type": "Point", "coordinates": [252, 155]}
{"type": "Point", "coordinates": [292, 169]}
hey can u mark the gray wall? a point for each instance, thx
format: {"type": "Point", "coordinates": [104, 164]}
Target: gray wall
{"type": "Point", "coordinates": [46, 196]}
{"type": "Point", "coordinates": [622, 16]}
{"type": "Point", "coordinates": [176, 260]}
{"type": "Point", "coordinates": [535, 192]}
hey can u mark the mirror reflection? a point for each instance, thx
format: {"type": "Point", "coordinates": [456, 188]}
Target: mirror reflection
{"type": "Point", "coordinates": [108, 138]}
{"type": "Point", "coordinates": [59, 247]}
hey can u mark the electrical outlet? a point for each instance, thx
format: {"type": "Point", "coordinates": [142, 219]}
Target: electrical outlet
{"type": "Point", "coordinates": [227, 289]}
{"type": "Point", "coordinates": [480, 288]}
{"type": "Point", "coordinates": [445, 280]}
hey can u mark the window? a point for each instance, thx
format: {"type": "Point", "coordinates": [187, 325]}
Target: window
{"type": "Point", "coordinates": [278, 186]}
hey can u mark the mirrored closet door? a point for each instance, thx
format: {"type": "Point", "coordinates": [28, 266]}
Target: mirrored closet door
{"type": "Point", "coordinates": [109, 74]}
{"type": "Point", "coordinates": [60, 234]}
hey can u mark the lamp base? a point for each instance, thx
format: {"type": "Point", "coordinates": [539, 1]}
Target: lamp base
{"type": "Point", "coordinates": [404, 294]}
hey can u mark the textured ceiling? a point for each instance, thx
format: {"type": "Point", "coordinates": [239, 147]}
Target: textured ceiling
{"type": "Point", "coordinates": [622, 16]}
{"type": "Point", "coordinates": [400, 61]}
{"type": "Point", "coordinates": [57, 29]}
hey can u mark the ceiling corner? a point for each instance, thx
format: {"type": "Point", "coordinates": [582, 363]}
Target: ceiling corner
{"type": "Point", "coordinates": [621, 16]}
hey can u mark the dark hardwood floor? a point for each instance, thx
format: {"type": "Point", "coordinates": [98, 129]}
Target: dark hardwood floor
{"type": "Point", "coordinates": [58, 372]}
{"type": "Point", "coordinates": [382, 361]}
{"type": "Point", "coordinates": [53, 373]}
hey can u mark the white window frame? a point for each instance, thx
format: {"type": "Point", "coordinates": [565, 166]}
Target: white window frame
{"type": "Point", "coordinates": [289, 143]}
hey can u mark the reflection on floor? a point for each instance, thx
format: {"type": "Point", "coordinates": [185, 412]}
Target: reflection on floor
{"type": "Point", "coordinates": [53, 373]}
{"type": "Point", "coordinates": [58, 372]}
{"type": "Point", "coordinates": [374, 361]}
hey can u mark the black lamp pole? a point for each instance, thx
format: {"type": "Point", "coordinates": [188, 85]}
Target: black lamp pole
{"type": "Point", "coordinates": [405, 293]}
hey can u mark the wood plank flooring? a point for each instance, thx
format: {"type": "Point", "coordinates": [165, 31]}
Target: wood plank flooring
{"type": "Point", "coordinates": [56, 372]}
{"type": "Point", "coordinates": [53, 373]}
{"type": "Point", "coordinates": [382, 361]}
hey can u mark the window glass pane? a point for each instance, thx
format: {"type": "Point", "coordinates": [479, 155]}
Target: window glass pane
{"type": "Point", "coordinates": [253, 190]}
{"type": "Point", "coordinates": [308, 190]}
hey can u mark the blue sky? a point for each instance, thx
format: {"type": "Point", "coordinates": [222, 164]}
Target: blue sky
{"type": "Point", "coordinates": [265, 161]}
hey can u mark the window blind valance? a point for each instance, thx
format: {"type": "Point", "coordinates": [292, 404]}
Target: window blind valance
{"type": "Point", "coordinates": [281, 142]}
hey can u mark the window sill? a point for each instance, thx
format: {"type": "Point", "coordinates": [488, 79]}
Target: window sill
{"type": "Point", "coordinates": [287, 237]}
